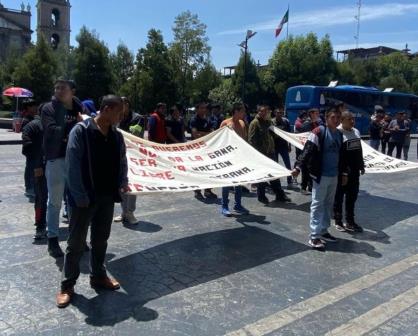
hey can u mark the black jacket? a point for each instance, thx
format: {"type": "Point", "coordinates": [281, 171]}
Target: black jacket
{"type": "Point", "coordinates": [57, 123]}
{"type": "Point", "coordinates": [32, 137]}
{"type": "Point", "coordinates": [311, 156]}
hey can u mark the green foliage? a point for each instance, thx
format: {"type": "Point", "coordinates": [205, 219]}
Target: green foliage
{"type": "Point", "coordinates": [122, 62]}
{"type": "Point", "coordinates": [93, 73]}
{"type": "Point", "coordinates": [152, 81]}
{"type": "Point", "coordinates": [207, 78]}
{"type": "Point", "coordinates": [224, 95]}
{"type": "Point", "coordinates": [252, 91]}
{"type": "Point", "coordinates": [189, 51]}
{"type": "Point", "coordinates": [37, 70]}
{"type": "Point", "coordinates": [301, 60]}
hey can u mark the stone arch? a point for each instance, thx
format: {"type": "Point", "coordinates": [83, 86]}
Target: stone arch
{"type": "Point", "coordinates": [55, 17]}
{"type": "Point", "coordinates": [55, 40]}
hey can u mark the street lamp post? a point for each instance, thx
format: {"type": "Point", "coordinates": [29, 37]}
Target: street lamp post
{"type": "Point", "coordinates": [244, 45]}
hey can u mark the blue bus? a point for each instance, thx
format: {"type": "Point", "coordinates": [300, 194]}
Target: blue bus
{"type": "Point", "coordinates": [358, 99]}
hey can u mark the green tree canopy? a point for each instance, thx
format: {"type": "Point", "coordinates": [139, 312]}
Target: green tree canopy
{"type": "Point", "coordinates": [189, 51]}
{"type": "Point", "coordinates": [93, 73]}
{"type": "Point", "coordinates": [37, 70]}
{"type": "Point", "coordinates": [301, 60]}
{"type": "Point", "coordinates": [122, 62]}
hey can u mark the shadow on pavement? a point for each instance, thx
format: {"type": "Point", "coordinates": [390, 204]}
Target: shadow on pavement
{"type": "Point", "coordinates": [180, 264]}
{"type": "Point", "coordinates": [144, 226]}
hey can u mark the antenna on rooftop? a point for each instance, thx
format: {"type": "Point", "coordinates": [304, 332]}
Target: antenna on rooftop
{"type": "Point", "coordinates": [357, 17]}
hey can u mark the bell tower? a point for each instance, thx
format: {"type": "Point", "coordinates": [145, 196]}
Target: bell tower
{"type": "Point", "coordinates": [54, 22]}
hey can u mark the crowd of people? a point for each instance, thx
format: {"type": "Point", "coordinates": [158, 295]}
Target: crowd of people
{"type": "Point", "coordinates": [387, 133]}
{"type": "Point", "coordinates": [68, 155]}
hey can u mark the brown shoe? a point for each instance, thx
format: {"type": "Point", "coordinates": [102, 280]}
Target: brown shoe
{"type": "Point", "coordinates": [104, 283]}
{"type": "Point", "coordinates": [64, 297]}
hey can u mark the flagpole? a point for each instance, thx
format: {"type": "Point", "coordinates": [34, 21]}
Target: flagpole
{"type": "Point", "coordinates": [287, 27]}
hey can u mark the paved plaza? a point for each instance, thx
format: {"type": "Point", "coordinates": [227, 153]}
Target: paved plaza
{"type": "Point", "coordinates": [186, 270]}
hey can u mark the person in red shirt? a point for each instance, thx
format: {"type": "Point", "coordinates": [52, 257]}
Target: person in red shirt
{"type": "Point", "coordinates": [156, 126]}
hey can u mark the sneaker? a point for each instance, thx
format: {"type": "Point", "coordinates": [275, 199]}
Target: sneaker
{"type": "Point", "coordinates": [210, 194]}
{"type": "Point", "coordinates": [316, 243]}
{"type": "Point", "coordinates": [304, 192]}
{"type": "Point", "coordinates": [328, 237]}
{"type": "Point", "coordinates": [129, 218]}
{"type": "Point", "coordinates": [263, 199]}
{"type": "Point", "coordinates": [225, 212]}
{"type": "Point", "coordinates": [339, 226]}
{"type": "Point", "coordinates": [353, 227]}
{"type": "Point", "coordinates": [198, 195]}
{"type": "Point", "coordinates": [118, 219]}
{"type": "Point", "coordinates": [239, 209]}
{"type": "Point", "coordinates": [54, 248]}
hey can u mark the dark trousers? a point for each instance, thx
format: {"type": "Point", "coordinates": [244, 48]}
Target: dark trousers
{"type": "Point", "coordinates": [100, 215]}
{"type": "Point", "coordinates": [350, 191]}
{"type": "Point", "coordinates": [398, 146]}
{"type": "Point", "coordinates": [275, 185]}
{"type": "Point", "coordinates": [29, 175]}
{"type": "Point", "coordinates": [284, 153]}
{"type": "Point", "coordinates": [41, 199]}
{"type": "Point", "coordinates": [306, 179]}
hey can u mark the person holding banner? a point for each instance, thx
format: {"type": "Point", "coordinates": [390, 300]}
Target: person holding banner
{"type": "Point", "coordinates": [238, 125]}
{"type": "Point", "coordinates": [353, 154]}
{"type": "Point", "coordinates": [260, 137]}
{"type": "Point", "coordinates": [200, 127]}
{"type": "Point", "coordinates": [322, 156]}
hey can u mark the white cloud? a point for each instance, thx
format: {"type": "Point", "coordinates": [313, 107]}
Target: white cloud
{"type": "Point", "coordinates": [332, 17]}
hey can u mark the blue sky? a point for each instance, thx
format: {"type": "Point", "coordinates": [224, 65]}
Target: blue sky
{"type": "Point", "coordinates": [390, 23]}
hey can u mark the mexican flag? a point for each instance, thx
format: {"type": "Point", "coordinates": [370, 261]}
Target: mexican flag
{"type": "Point", "coordinates": [284, 20]}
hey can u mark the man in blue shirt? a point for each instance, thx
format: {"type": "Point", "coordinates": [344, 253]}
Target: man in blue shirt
{"type": "Point", "coordinates": [322, 158]}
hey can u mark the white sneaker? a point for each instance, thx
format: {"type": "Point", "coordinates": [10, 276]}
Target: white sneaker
{"type": "Point", "coordinates": [118, 219]}
{"type": "Point", "coordinates": [130, 218]}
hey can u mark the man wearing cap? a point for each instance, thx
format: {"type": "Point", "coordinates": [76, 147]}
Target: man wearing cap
{"type": "Point", "coordinates": [58, 117]}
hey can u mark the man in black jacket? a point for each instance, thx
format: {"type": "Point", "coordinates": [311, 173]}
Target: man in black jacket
{"type": "Point", "coordinates": [29, 111]}
{"type": "Point", "coordinates": [32, 137]}
{"type": "Point", "coordinates": [353, 154]}
{"type": "Point", "coordinates": [97, 174]}
{"type": "Point", "coordinates": [58, 118]}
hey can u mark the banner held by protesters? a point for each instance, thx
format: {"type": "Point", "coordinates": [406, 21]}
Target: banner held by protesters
{"type": "Point", "coordinates": [375, 161]}
{"type": "Point", "coordinates": [219, 159]}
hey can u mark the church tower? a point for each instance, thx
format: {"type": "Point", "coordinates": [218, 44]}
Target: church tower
{"type": "Point", "coordinates": [54, 22]}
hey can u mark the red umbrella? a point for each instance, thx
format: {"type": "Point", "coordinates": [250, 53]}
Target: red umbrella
{"type": "Point", "coordinates": [17, 92]}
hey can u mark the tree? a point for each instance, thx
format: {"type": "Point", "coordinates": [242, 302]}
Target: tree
{"type": "Point", "coordinates": [122, 63]}
{"type": "Point", "coordinates": [189, 51]}
{"type": "Point", "coordinates": [252, 80]}
{"type": "Point", "coordinates": [37, 70]}
{"type": "Point", "coordinates": [152, 81]}
{"type": "Point", "coordinates": [224, 95]}
{"type": "Point", "coordinates": [93, 73]}
{"type": "Point", "coordinates": [301, 60]}
{"type": "Point", "coordinates": [206, 79]}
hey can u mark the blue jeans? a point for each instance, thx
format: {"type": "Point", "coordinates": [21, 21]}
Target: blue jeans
{"type": "Point", "coordinates": [284, 153]}
{"type": "Point", "coordinates": [55, 178]}
{"type": "Point", "coordinates": [374, 143]}
{"type": "Point", "coordinates": [323, 195]}
{"type": "Point", "coordinates": [225, 194]}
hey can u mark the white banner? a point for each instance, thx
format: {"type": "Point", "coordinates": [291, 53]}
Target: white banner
{"type": "Point", "coordinates": [374, 161]}
{"type": "Point", "coordinates": [219, 159]}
